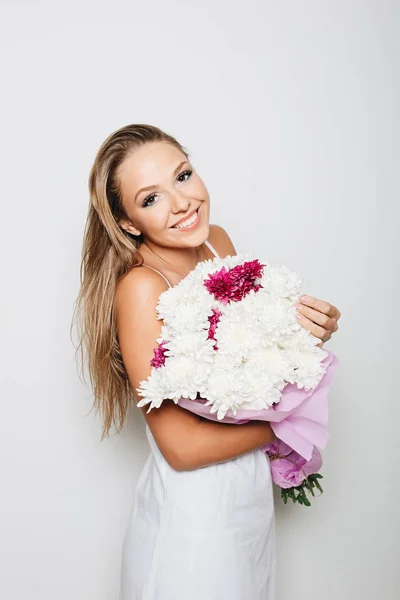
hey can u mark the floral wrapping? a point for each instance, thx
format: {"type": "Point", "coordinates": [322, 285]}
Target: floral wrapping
{"type": "Point", "coordinates": [231, 350]}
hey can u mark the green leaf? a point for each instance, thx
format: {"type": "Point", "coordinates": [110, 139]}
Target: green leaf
{"type": "Point", "coordinates": [319, 487]}
{"type": "Point", "coordinates": [299, 493]}
{"type": "Point", "coordinates": [309, 485]}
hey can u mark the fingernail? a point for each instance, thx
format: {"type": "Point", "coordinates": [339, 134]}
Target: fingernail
{"type": "Point", "coordinates": [304, 297]}
{"type": "Point", "coordinates": [298, 306]}
{"type": "Point", "coordinates": [299, 317]}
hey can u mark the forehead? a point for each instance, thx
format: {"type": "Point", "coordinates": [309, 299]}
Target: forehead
{"type": "Point", "coordinates": [148, 165]}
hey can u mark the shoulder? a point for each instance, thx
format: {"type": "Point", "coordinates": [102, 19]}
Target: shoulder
{"type": "Point", "coordinates": [138, 291]}
{"type": "Point", "coordinates": [221, 241]}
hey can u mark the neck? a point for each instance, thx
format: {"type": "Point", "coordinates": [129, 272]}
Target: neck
{"type": "Point", "coordinates": [178, 260]}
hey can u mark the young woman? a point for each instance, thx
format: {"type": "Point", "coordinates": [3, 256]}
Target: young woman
{"type": "Point", "coordinates": [202, 524]}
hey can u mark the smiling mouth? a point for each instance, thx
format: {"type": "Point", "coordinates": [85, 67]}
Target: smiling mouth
{"type": "Point", "coordinates": [189, 222]}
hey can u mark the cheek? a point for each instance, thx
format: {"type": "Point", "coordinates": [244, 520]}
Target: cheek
{"type": "Point", "coordinates": [155, 218]}
{"type": "Point", "coordinates": [199, 189]}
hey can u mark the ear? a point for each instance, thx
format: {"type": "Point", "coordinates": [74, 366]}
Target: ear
{"type": "Point", "coordinates": [129, 227]}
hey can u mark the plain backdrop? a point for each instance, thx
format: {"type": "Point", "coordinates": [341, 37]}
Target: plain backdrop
{"type": "Point", "coordinates": [290, 113]}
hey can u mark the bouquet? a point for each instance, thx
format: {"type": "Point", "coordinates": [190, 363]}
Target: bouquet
{"type": "Point", "coordinates": [231, 350]}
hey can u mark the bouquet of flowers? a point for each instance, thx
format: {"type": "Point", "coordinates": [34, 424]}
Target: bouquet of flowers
{"type": "Point", "coordinates": [231, 350]}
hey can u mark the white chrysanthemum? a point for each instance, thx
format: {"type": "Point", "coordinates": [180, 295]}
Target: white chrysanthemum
{"type": "Point", "coordinates": [273, 361]}
{"type": "Point", "coordinates": [302, 339]}
{"type": "Point", "coordinates": [184, 377]}
{"type": "Point", "coordinates": [266, 371]}
{"type": "Point", "coordinates": [167, 302]}
{"type": "Point", "coordinates": [238, 259]}
{"type": "Point", "coordinates": [194, 345]}
{"type": "Point", "coordinates": [182, 308]}
{"type": "Point", "coordinates": [251, 304]}
{"type": "Point", "coordinates": [165, 334]}
{"type": "Point", "coordinates": [203, 269]}
{"type": "Point", "coordinates": [188, 318]}
{"type": "Point", "coordinates": [152, 390]}
{"type": "Point", "coordinates": [197, 294]}
{"type": "Point", "coordinates": [278, 280]}
{"type": "Point", "coordinates": [276, 318]}
{"type": "Point", "coordinates": [234, 335]}
{"type": "Point", "coordinates": [307, 370]}
{"type": "Point", "coordinates": [226, 389]}
{"type": "Point", "coordinates": [263, 392]}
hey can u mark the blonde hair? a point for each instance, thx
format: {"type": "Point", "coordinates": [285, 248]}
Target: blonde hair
{"type": "Point", "coordinates": [108, 253]}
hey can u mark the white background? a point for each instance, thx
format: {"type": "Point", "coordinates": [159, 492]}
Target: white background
{"type": "Point", "coordinates": [290, 114]}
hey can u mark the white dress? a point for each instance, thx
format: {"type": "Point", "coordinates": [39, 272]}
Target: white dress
{"type": "Point", "coordinates": [206, 534]}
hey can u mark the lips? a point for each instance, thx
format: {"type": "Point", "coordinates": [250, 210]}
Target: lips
{"type": "Point", "coordinates": [187, 218]}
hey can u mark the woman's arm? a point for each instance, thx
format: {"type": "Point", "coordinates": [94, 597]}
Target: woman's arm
{"type": "Point", "coordinates": [186, 440]}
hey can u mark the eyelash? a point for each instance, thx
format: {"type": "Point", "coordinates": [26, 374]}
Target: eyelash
{"type": "Point", "coordinates": [187, 171]}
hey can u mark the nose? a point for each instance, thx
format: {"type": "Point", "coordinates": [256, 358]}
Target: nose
{"type": "Point", "coordinates": [179, 202]}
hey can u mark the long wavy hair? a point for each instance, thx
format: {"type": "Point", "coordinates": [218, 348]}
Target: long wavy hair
{"type": "Point", "coordinates": [108, 253]}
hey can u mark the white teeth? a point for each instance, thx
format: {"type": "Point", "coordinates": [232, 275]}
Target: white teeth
{"type": "Point", "coordinates": [187, 222]}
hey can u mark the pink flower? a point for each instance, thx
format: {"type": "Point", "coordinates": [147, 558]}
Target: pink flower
{"type": "Point", "coordinates": [214, 320]}
{"type": "Point", "coordinates": [288, 468]}
{"type": "Point", "coordinates": [234, 284]}
{"type": "Point", "coordinates": [159, 355]}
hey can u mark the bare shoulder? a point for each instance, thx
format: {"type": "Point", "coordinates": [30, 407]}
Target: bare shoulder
{"type": "Point", "coordinates": [137, 293]}
{"type": "Point", "coordinates": [221, 241]}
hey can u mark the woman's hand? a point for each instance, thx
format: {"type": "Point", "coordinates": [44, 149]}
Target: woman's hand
{"type": "Point", "coordinates": [318, 316]}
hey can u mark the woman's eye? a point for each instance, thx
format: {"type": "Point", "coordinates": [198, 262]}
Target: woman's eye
{"type": "Point", "coordinates": [149, 200]}
{"type": "Point", "coordinates": [187, 172]}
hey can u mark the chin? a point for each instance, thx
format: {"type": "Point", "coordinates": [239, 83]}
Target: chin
{"type": "Point", "coordinates": [193, 237]}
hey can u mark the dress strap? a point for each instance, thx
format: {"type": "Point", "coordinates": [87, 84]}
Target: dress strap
{"type": "Point", "coordinates": [211, 247]}
{"type": "Point", "coordinates": [163, 276]}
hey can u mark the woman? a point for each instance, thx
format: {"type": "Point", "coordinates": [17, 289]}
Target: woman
{"type": "Point", "coordinates": [202, 524]}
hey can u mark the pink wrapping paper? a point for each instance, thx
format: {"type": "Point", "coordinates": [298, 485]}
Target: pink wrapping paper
{"type": "Point", "coordinates": [300, 419]}
{"type": "Point", "coordinates": [288, 468]}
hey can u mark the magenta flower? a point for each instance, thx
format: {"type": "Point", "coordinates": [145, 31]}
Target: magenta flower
{"type": "Point", "coordinates": [234, 284]}
{"type": "Point", "coordinates": [159, 355]}
{"type": "Point", "coordinates": [214, 320]}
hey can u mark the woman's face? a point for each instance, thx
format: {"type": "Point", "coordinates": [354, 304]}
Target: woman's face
{"type": "Point", "coordinates": [174, 210]}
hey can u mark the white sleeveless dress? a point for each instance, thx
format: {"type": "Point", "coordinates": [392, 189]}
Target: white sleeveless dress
{"type": "Point", "coordinates": [206, 534]}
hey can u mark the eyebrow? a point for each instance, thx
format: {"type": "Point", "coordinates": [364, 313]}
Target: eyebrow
{"type": "Point", "coordinates": [152, 187]}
